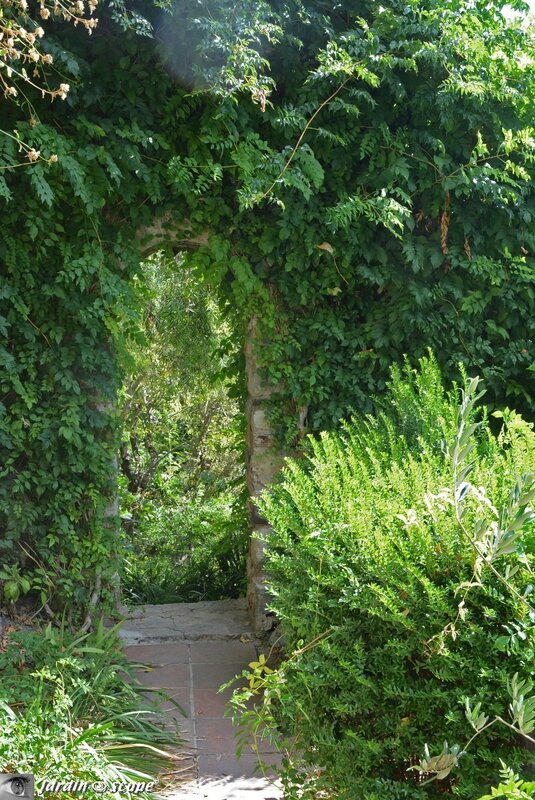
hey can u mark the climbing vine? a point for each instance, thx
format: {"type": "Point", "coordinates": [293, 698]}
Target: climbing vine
{"type": "Point", "coordinates": [386, 199]}
{"type": "Point", "coordinates": [67, 251]}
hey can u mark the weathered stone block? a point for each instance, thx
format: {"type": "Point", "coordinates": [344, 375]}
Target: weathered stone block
{"type": "Point", "coordinates": [263, 469]}
{"type": "Point", "coordinates": [257, 598]}
{"type": "Point", "coordinates": [255, 558]}
{"type": "Point", "coordinates": [260, 423]}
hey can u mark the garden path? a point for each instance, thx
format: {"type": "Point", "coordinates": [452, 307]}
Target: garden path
{"type": "Point", "coordinates": [193, 648]}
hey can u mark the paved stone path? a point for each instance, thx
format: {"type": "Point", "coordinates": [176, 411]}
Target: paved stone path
{"type": "Point", "coordinates": [191, 649]}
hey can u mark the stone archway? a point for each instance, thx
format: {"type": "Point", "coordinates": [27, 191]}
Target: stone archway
{"type": "Point", "coordinates": [263, 458]}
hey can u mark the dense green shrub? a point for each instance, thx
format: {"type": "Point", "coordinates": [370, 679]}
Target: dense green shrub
{"type": "Point", "coordinates": [71, 709]}
{"type": "Point", "coordinates": [369, 569]}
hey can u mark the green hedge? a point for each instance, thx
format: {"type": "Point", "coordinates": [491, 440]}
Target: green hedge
{"type": "Point", "coordinates": [366, 562]}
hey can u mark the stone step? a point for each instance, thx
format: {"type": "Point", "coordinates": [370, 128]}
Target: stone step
{"type": "Point", "coordinates": [208, 620]}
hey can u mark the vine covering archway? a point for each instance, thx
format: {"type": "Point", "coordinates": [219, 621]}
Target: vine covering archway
{"type": "Point", "coordinates": [371, 196]}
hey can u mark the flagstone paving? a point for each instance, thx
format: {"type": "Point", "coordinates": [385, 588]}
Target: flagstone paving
{"type": "Point", "coordinates": [190, 649]}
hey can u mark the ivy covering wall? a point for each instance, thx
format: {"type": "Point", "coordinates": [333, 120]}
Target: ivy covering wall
{"type": "Point", "coordinates": [386, 200]}
{"type": "Point", "coordinates": [367, 194]}
{"type": "Point", "coordinates": [67, 249]}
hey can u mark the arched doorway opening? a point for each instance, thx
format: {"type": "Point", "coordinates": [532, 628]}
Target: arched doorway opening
{"type": "Point", "coordinates": [182, 473]}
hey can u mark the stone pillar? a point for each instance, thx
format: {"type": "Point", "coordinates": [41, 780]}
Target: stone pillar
{"type": "Point", "coordinates": [264, 460]}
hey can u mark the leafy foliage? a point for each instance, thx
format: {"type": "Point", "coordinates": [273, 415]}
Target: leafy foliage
{"type": "Point", "coordinates": [367, 193]}
{"type": "Point", "coordinates": [181, 456]}
{"type": "Point", "coordinates": [68, 712]}
{"type": "Point", "coordinates": [187, 552]}
{"type": "Point", "coordinates": [387, 630]}
{"type": "Point", "coordinates": [511, 787]}
{"type": "Point", "coordinates": [400, 136]}
{"type": "Point", "coordinates": [93, 666]}
{"type": "Point", "coordinates": [21, 48]}
{"type": "Point", "coordinates": [65, 294]}
{"type": "Point", "coordinates": [178, 400]}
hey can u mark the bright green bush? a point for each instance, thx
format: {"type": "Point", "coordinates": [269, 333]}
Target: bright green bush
{"type": "Point", "coordinates": [511, 787]}
{"type": "Point", "coordinates": [370, 571]}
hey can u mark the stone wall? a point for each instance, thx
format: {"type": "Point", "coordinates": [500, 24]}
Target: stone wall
{"type": "Point", "coordinates": [264, 460]}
